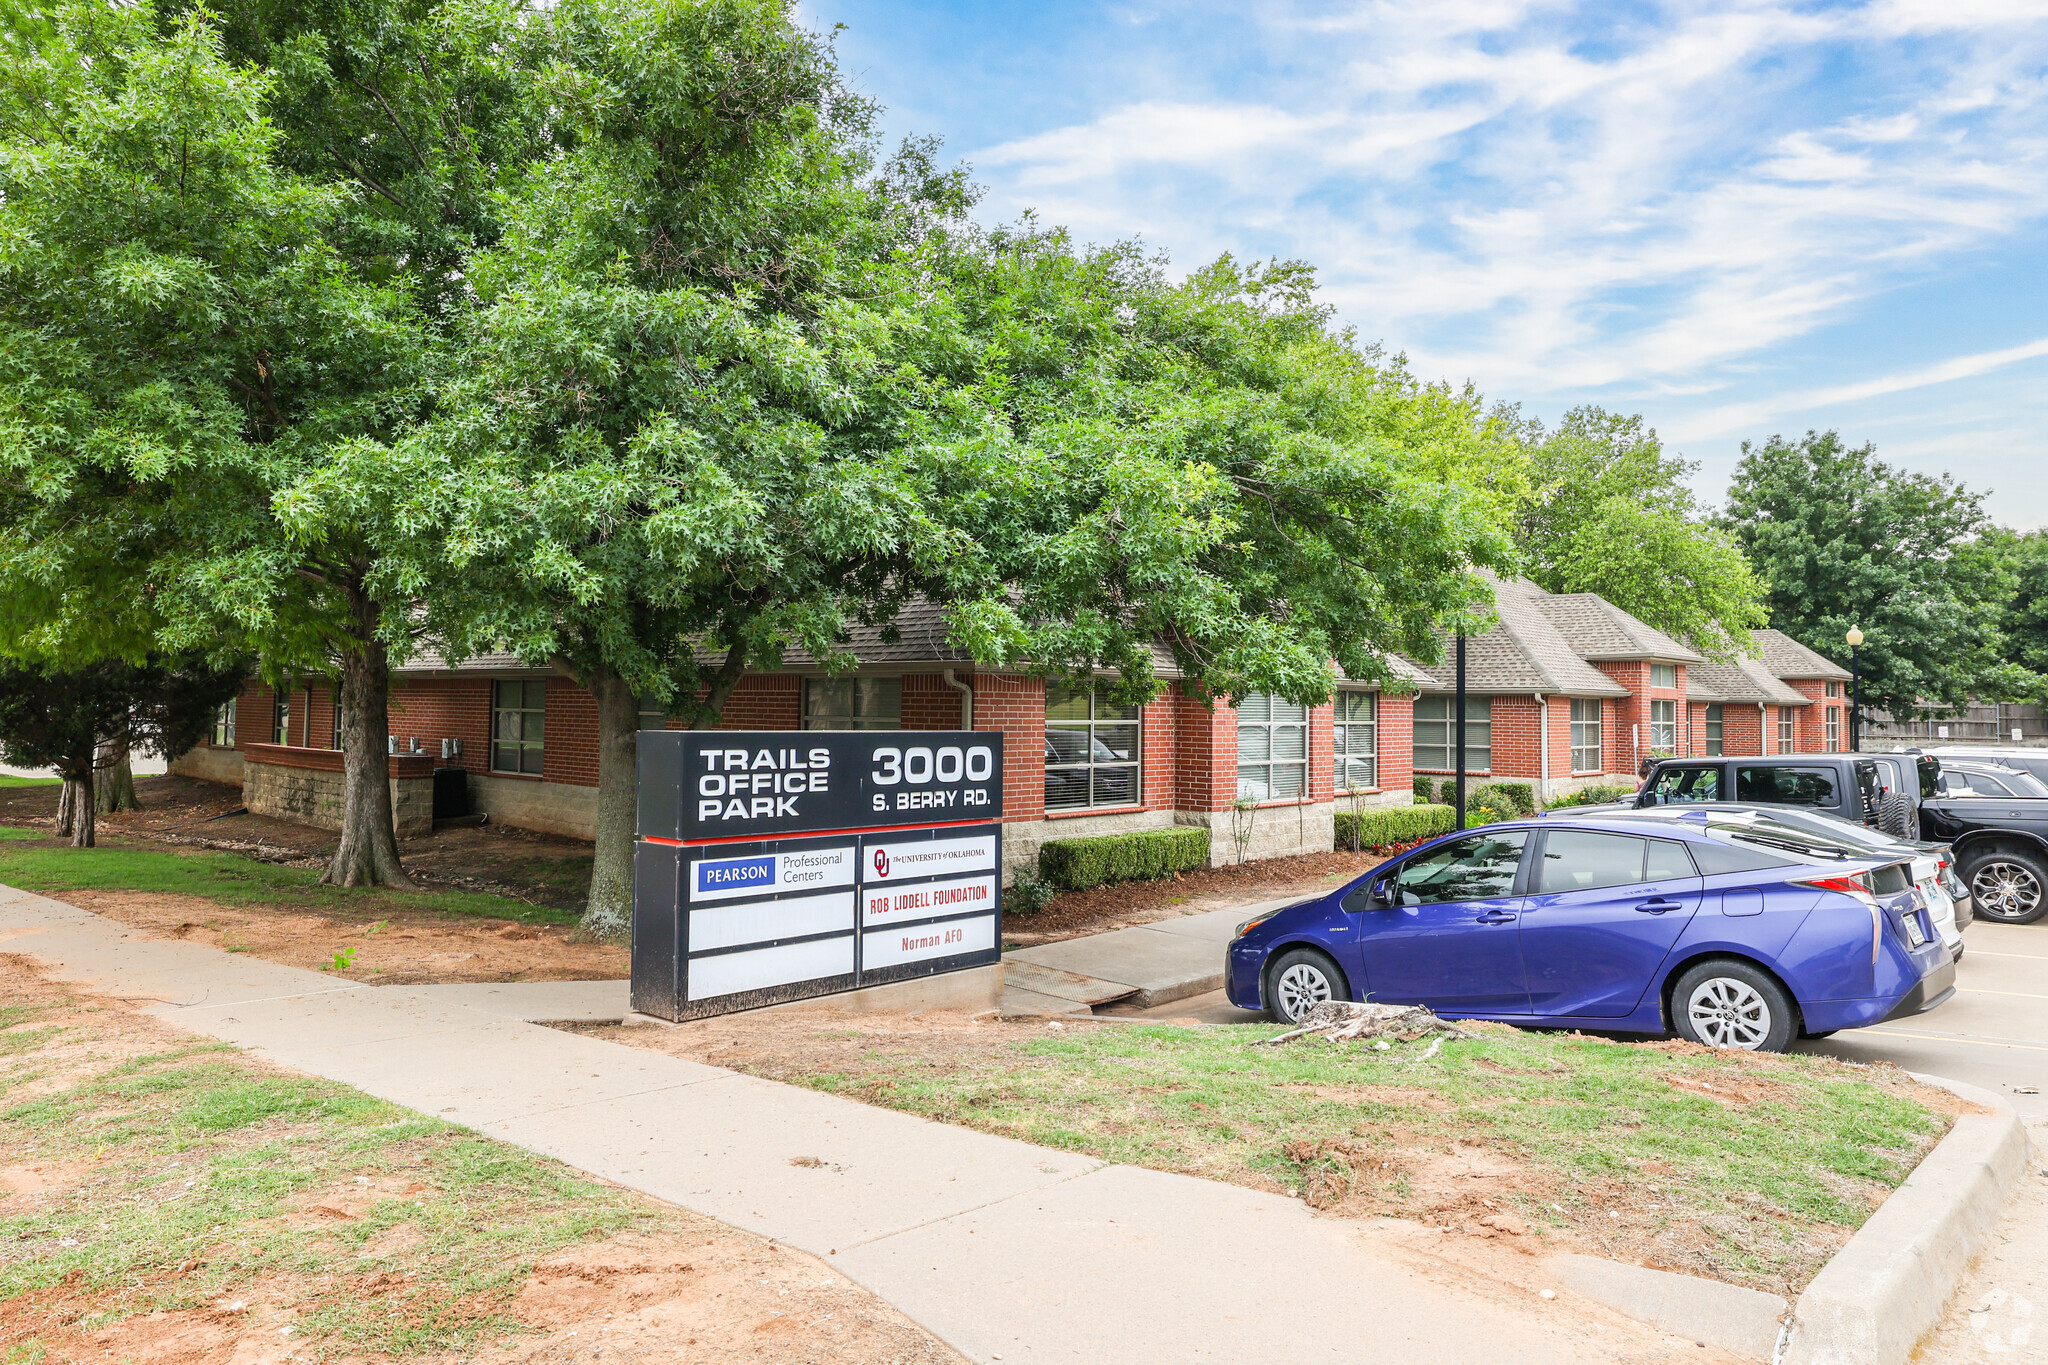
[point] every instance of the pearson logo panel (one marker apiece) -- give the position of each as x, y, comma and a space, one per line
767, 874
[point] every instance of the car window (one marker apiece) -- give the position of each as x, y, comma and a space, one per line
1785, 786
1477, 867
1667, 859
1585, 860
1675, 786
1717, 858
1983, 783
2025, 784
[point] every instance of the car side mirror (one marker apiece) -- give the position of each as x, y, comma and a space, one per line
1377, 894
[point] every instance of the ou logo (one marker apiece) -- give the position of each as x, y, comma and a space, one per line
881, 862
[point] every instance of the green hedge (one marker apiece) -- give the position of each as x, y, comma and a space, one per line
1425, 790
1077, 864
1519, 797
1598, 795
1380, 826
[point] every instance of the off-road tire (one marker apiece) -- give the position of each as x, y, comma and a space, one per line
1728, 1003
2007, 887
1299, 979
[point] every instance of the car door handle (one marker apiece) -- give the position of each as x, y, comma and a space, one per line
1659, 907
1496, 917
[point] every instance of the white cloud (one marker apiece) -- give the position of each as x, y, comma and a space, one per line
1551, 203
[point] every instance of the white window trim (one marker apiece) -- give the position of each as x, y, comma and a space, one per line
1450, 745
1340, 761
1599, 726
1136, 766
524, 744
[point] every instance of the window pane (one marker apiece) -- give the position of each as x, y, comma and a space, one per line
1290, 741
1668, 860
1289, 710
1785, 786
1475, 868
1065, 788
1432, 708
1116, 786
1253, 745
1581, 860
1106, 710
532, 759
1287, 780
1257, 706
1115, 743
1066, 745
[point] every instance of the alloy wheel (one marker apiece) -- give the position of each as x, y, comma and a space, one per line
1301, 988
2005, 890
1727, 1012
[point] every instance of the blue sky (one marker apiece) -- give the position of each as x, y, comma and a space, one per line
1737, 219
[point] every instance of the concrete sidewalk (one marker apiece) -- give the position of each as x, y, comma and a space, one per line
1143, 967
1000, 1248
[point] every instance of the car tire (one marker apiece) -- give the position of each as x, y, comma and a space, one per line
1726, 1003
1894, 815
2007, 887
1299, 980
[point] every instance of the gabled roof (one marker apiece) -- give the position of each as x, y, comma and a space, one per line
1744, 681
1597, 629
1525, 653
1787, 658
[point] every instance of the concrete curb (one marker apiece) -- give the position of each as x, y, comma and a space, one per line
1887, 1288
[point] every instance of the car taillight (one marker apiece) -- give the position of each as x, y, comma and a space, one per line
1856, 884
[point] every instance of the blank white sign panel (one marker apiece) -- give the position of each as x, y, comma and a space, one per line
726, 926
730, 973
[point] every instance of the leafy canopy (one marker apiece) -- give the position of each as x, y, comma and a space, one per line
1612, 515
1846, 540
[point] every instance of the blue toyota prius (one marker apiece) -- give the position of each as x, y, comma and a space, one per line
1729, 928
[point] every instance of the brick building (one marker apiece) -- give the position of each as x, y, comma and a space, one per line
1566, 691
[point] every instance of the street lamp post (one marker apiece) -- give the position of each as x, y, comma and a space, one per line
1855, 638
1459, 779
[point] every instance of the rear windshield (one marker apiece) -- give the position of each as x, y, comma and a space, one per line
1890, 881
1717, 858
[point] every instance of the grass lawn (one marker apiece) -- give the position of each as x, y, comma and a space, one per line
1750, 1169
7, 781
166, 1201
230, 879
211, 1174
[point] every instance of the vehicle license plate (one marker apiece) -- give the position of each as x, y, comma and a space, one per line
1915, 935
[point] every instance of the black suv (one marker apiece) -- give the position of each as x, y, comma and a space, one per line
2000, 843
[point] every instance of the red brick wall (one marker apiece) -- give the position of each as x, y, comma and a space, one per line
1205, 754
1322, 753
768, 702
1016, 706
928, 704
1741, 730
1397, 742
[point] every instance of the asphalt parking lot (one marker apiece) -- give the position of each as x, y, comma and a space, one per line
1992, 1032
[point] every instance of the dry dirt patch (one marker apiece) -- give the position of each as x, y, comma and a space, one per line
184, 1204
382, 949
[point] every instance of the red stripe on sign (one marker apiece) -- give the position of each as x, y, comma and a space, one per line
813, 834
651, 839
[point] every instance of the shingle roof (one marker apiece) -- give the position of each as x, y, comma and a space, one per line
1746, 680
1597, 629
1525, 653
1787, 658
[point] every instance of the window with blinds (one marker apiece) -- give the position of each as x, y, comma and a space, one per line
1092, 750
1436, 734
1272, 748
853, 703
519, 725
1586, 735
1355, 731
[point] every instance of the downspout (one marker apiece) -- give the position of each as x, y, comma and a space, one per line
966, 691
1763, 730
1543, 746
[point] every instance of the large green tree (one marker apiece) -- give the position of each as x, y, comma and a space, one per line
736, 383
1845, 540
233, 255
1611, 513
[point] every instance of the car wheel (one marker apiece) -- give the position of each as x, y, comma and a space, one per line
1300, 980
1729, 1004
2011, 888
1893, 815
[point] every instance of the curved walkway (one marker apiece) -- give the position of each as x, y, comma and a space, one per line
1004, 1250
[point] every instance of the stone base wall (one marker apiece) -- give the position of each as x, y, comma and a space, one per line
549, 807
313, 796
208, 764
1276, 832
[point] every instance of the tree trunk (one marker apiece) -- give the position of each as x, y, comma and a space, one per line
609, 916
75, 814
368, 853
114, 786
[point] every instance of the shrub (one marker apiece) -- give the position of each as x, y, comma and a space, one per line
1380, 826
1519, 797
1029, 893
1425, 790
1598, 795
1077, 864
